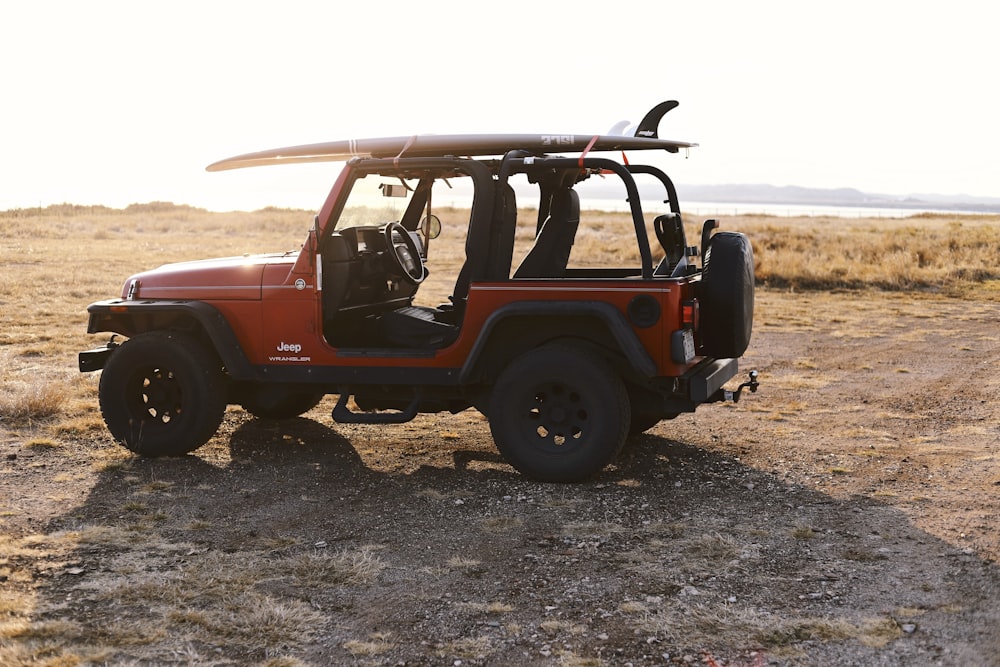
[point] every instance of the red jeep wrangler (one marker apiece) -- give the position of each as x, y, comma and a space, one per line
566, 359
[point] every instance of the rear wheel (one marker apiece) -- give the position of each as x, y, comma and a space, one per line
162, 394
559, 413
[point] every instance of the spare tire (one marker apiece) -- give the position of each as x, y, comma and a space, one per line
726, 295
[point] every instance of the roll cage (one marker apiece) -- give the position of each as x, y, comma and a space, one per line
490, 234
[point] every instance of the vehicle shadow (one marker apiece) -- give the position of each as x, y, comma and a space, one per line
675, 548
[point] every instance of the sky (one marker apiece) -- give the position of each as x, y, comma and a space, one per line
113, 103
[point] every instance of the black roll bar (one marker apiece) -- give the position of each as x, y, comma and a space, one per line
623, 172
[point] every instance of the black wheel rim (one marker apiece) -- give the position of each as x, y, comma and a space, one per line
155, 396
555, 417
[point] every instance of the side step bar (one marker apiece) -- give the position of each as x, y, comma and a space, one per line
341, 413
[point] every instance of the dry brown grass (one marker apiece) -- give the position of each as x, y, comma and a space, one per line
61, 258
210, 598
946, 252
24, 397
939, 252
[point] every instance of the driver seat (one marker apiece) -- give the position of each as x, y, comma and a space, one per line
488, 250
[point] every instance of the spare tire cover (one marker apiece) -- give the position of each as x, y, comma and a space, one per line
726, 295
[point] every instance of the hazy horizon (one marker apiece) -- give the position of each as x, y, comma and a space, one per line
732, 199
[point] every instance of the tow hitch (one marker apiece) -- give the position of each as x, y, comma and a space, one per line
751, 384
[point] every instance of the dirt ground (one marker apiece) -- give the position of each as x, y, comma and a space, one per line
846, 514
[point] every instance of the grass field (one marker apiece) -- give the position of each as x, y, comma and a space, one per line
110, 559
58, 259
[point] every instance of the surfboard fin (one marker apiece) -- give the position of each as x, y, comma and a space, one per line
647, 128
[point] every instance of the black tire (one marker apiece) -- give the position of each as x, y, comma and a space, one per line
559, 413
265, 402
162, 394
727, 296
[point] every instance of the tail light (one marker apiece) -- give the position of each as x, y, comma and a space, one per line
682, 344
690, 314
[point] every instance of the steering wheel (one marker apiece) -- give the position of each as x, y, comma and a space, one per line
403, 253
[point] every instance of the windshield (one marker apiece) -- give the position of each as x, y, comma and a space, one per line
377, 199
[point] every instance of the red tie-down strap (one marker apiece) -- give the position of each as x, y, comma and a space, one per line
587, 149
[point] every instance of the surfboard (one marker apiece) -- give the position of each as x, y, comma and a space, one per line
440, 145
462, 145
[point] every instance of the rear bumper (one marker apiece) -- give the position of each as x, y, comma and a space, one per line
707, 380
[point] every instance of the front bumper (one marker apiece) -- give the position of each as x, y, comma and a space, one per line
95, 359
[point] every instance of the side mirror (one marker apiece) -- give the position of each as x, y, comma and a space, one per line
430, 227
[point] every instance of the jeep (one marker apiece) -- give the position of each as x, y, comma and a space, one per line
566, 357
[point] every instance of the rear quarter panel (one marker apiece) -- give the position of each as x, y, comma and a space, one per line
487, 298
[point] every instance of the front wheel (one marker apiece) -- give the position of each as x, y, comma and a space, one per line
559, 413
162, 394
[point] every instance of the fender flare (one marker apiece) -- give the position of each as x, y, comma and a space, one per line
619, 328
124, 317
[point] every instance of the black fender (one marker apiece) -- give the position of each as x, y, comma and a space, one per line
546, 320
130, 318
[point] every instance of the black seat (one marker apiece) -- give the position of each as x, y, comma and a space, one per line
670, 232
337, 280
488, 249
550, 254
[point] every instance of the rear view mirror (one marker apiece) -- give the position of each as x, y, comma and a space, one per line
393, 190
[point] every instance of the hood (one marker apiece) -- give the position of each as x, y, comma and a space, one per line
226, 278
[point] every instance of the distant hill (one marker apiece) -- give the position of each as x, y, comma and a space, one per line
792, 194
